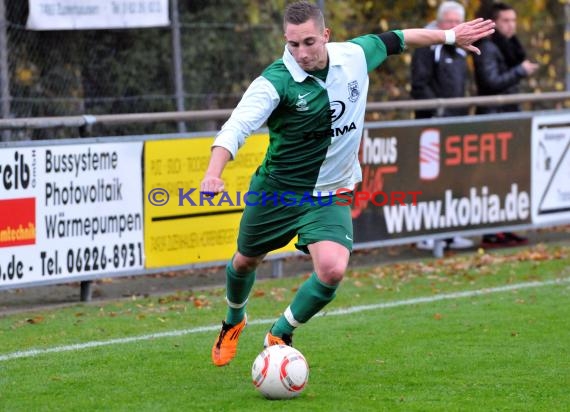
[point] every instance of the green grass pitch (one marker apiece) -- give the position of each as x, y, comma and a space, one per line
474, 332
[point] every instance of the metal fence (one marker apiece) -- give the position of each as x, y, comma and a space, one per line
480, 176
84, 125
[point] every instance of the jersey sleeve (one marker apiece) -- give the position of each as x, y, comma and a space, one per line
254, 108
379, 46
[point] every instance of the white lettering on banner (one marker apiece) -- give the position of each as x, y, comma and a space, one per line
96, 14
379, 150
79, 213
480, 207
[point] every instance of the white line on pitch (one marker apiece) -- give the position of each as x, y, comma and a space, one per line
354, 309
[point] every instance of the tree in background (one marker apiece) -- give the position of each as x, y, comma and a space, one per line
223, 45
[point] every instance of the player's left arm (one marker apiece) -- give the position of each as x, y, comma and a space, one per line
462, 35
377, 47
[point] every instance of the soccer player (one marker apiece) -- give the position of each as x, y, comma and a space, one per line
313, 101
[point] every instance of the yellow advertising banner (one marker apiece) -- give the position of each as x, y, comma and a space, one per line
181, 225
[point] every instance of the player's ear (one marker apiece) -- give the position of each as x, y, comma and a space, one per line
326, 34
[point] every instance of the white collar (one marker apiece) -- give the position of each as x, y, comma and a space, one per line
298, 74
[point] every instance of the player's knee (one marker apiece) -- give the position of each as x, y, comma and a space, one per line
332, 273
246, 264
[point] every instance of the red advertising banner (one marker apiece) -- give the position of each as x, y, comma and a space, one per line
17, 222
443, 178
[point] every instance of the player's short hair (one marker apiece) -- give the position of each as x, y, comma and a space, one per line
450, 6
301, 12
499, 7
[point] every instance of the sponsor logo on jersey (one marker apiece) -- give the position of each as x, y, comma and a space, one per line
334, 132
337, 110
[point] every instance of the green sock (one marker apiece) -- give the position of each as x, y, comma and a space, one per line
312, 296
238, 286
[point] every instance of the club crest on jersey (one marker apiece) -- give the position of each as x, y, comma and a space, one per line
353, 92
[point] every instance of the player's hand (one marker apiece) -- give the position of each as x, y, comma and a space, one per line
211, 186
469, 32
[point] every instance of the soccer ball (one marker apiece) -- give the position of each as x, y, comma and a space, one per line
280, 372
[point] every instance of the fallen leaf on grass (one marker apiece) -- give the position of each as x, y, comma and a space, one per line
201, 302
169, 299
35, 320
278, 294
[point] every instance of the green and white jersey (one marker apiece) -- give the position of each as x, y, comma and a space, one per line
315, 126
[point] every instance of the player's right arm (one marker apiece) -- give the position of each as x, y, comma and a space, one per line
253, 110
212, 182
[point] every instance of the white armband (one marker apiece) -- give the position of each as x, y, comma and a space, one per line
449, 36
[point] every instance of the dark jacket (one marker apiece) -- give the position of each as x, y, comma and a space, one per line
494, 74
437, 72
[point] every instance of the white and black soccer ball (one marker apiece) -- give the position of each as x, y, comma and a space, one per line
280, 372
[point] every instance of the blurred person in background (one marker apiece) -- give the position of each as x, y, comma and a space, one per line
503, 63
440, 71
499, 69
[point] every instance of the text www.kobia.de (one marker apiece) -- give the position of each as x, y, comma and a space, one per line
480, 207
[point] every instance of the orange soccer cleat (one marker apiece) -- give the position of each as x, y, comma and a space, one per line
271, 340
225, 346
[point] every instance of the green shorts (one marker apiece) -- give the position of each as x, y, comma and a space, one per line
273, 217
